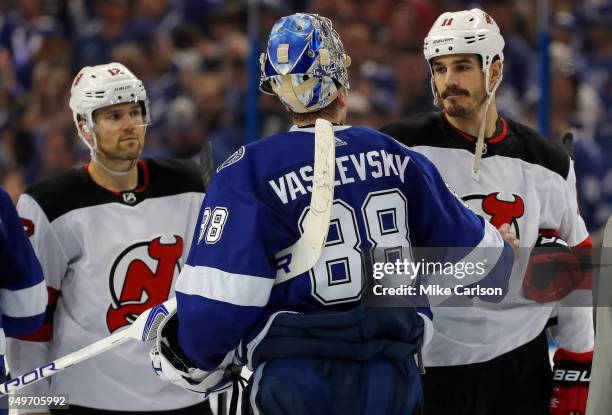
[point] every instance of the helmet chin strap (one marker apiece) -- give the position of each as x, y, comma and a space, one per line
110, 171
92, 153
481, 131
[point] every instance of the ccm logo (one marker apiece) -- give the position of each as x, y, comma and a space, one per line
29, 377
572, 375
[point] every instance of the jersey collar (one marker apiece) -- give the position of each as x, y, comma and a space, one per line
143, 178
311, 129
503, 131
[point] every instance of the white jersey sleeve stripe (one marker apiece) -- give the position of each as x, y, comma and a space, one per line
227, 287
26, 302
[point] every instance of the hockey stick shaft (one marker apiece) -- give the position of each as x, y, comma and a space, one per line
207, 167
144, 329
306, 251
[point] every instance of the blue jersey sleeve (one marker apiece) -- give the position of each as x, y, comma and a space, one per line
230, 270
445, 221
23, 295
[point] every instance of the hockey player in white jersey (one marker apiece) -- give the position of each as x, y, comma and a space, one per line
313, 349
112, 236
493, 358
23, 294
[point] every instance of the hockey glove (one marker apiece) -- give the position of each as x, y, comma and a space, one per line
571, 376
170, 364
553, 272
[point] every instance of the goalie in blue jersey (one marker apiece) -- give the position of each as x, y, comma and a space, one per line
314, 348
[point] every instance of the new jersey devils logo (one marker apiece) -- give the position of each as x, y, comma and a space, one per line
141, 277
499, 208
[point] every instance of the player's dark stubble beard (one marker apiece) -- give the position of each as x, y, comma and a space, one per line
454, 109
127, 147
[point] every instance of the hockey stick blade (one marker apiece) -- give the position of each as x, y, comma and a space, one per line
599, 400
144, 329
305, 252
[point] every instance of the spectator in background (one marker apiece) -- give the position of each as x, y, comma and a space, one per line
185, 135
23, 33
47, 103
413, 87
19, 154
403, 31
208, 92
58, 153
8, 87
155, 16
108, 29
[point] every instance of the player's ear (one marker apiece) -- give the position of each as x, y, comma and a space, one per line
495, 72
85, 131
342, 97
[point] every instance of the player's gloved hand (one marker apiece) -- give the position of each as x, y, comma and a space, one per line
170, 364
553, 272
571, 375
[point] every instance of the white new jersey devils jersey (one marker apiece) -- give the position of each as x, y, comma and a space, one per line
525, 181
107, 257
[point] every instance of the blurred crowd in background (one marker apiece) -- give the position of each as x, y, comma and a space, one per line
192, 56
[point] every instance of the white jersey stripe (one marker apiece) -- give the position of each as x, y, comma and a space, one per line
237, 289
26, 302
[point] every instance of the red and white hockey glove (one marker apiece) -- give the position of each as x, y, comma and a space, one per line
553, 272
571, 376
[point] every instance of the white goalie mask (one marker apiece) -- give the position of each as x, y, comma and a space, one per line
100, 86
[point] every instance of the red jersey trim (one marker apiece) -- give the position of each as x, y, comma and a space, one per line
587, 243
503, 134
45, 332
145, 178
145, 174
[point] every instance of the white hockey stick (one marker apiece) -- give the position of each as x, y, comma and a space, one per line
305, 252
144, 329
599, 400
297, 259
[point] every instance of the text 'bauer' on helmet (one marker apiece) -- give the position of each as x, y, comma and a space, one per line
304, 63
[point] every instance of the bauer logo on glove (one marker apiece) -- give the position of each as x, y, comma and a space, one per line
571, 376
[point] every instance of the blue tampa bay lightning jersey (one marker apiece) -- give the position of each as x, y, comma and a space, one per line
385, 196
23, 294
